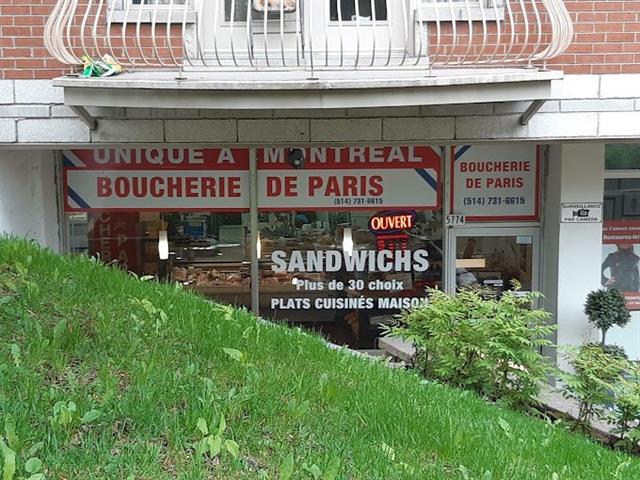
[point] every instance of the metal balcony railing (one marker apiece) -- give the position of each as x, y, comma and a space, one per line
309, 34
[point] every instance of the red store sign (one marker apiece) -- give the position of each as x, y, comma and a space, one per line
180, 179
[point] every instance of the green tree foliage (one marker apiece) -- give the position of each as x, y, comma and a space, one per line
487, 345
590, 385
606, 309
606, 386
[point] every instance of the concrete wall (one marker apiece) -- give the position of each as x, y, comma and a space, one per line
573, 252
582, 107
627, 337
28, 196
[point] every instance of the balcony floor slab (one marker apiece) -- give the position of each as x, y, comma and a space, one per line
293, 89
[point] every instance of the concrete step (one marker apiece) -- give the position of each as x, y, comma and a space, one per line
397, 348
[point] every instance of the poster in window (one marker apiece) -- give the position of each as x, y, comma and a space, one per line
621, 259
631, 203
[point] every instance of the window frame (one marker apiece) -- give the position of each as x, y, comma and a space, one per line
120, 14
273, 16
347, 22
461, 12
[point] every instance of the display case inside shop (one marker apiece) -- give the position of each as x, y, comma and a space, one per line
206, 253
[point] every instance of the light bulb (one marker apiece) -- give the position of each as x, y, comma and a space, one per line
347, 241
163, 245
259, 248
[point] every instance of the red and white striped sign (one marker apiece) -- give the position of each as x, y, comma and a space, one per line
204, 179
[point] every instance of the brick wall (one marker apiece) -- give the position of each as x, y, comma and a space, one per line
23, 54
607, 38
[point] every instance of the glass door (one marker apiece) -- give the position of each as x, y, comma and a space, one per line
494, 258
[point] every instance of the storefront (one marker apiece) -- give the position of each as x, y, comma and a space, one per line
335, 238
621, 237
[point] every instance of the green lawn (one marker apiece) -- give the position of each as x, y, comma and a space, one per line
147, 361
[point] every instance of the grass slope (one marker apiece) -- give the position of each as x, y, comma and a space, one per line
149, 358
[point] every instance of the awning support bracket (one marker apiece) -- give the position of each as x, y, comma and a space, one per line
84, 115
529, 113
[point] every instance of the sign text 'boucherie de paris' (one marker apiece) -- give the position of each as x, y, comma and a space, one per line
166, 178
492, 183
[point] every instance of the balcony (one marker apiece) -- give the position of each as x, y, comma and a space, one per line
309, 53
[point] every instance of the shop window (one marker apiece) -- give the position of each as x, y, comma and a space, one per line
622, 157
621, 238
387, 269
329, 270
208, 252
495, 262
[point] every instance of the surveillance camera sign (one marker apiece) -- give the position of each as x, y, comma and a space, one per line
581, 212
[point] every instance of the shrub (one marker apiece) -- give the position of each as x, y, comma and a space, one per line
607, 387
593, 380
626, 413
487, 345
614, 351
606, 309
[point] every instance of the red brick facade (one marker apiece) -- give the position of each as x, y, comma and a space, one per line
607, 39
22, 52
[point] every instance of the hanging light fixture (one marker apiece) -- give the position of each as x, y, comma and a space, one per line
259, 248
347, 241
163, 245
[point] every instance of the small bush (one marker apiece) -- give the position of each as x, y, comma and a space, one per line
606, 386
614, 351
606, 309
626, 414
487, 345
592, 383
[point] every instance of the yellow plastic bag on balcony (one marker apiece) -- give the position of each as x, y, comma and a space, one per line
106, 67
114, 67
